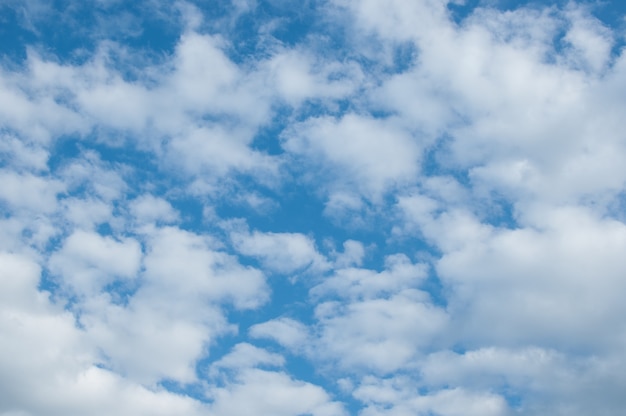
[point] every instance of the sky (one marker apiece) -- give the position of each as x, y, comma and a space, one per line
316, 208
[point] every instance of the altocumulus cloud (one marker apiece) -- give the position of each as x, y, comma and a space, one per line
334, 207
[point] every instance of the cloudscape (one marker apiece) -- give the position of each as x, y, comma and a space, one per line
316, 208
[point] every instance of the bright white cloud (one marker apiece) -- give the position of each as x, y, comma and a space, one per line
86, 213
29, 192
286, 331
274, 393
148, 209
472, 166
47, 364
87, 261
529, 277
363, 283
280, 252
300, 75
380, 335
452, 402
362, 152
353, 254
245, 355
164, 327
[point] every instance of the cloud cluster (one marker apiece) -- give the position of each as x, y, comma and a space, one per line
170, 213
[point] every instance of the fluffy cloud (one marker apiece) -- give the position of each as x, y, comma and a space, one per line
286, 331
29, 192
272, 393
89, 261
535, 274
379, 335
379, 323
148, 209
164, 327
362, 152
470, 159
247, 388
47, 364
450, 402
280, 252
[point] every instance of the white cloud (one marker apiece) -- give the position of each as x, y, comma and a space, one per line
396, 19
358, 283
86, 213
98, 178
524, 125
152, 338
29, 192
23, 155
369, 154
38, 118
164, 327
352, 255
286, 331
299, 76
242, 387
527, 279
46, 364
87, 261
118, 104
216, 150
245, 355
148, 209
547, 381
380, 335
19, 276
451, 402
380, 324
343, 207
284, 253
518, 113
591, 42
202, 71
449, 229
383, 321
168, 102
265, 392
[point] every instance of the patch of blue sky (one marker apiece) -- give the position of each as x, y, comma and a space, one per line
294, 21
404, 57
12, 28
48, 283
438, 160
437, 291
267, 137
122, 290
459, 10
194, 390
301, 210
64, 148
319, 108
53, 31
69, 31
611, 12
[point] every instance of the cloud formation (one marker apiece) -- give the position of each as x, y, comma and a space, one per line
345, 207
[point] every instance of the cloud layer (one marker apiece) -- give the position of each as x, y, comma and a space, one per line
345, 207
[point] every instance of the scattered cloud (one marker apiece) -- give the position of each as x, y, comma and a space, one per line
348, 207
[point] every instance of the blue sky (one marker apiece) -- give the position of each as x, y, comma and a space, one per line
326, 208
